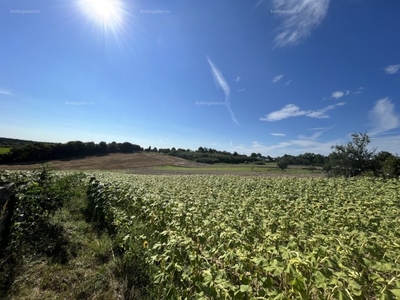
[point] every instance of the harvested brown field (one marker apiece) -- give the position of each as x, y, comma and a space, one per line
113, 161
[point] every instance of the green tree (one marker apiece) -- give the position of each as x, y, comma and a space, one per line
283, 164
391, 167
352, 159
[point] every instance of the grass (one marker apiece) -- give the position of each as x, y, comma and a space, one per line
4, 150
82, 265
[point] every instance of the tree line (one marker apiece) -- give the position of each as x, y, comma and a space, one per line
352, 159
37, 151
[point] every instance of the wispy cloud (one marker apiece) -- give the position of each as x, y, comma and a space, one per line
321, 113
288, 82
277, 78
316, 134
359, 90
161, 141
296, 146
383, 116
241, 90
292, 110
238, 79
4, 92
221, 82
278, 134
392, 69
259, 2
299, 18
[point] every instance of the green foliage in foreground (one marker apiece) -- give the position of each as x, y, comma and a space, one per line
39, 194
228, 237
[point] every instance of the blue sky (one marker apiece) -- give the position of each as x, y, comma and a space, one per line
273, 76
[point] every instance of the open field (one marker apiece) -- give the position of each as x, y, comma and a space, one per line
153, 164
114, 161
4, 150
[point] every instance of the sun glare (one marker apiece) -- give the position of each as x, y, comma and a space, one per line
107, 13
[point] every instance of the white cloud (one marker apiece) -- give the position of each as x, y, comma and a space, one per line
277, 78
288, 82
337, 95
294, 147
278, 134
292, 110
383, 116
221, 82
392, 69
238, 79
299, 18
161, 141
289, 110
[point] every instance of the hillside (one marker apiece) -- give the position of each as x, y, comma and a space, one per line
9, 142
113, 161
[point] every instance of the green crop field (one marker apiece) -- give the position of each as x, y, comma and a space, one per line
231, 237
4, 150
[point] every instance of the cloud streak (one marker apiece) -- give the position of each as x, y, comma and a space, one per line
221, 82
316, 134
278, 134
277, 78
299, 18
392, 69
383, 117
6, 93
291, 110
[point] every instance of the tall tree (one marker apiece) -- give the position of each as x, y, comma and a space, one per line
351, 159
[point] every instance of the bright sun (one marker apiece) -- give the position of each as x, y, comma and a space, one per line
107, 13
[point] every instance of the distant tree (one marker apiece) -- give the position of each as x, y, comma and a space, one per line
391, 167
90, 148
126, 147
380, 159
351, 159
103, 147
283, 163
113, 147
253, 155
